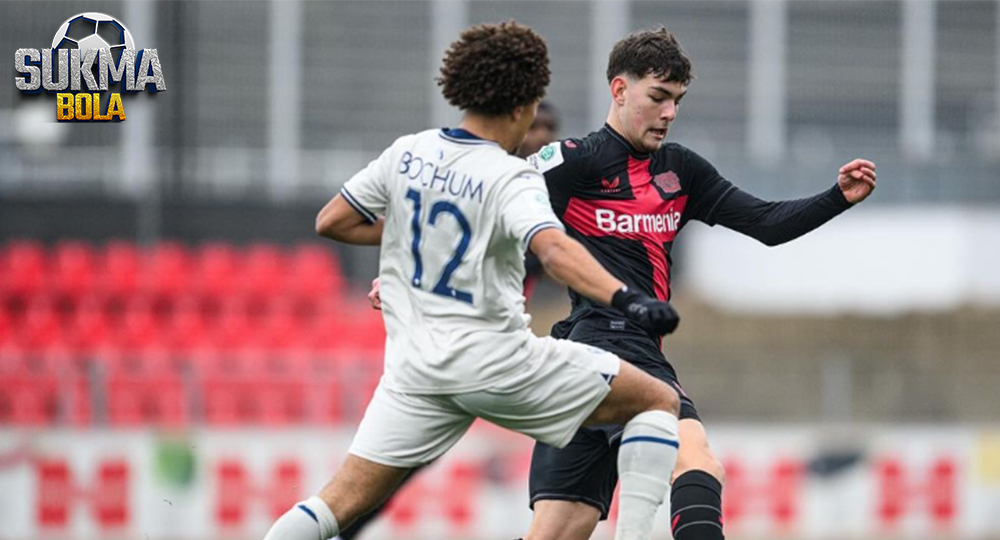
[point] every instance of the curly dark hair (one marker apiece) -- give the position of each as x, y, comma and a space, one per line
653, 51
494, 68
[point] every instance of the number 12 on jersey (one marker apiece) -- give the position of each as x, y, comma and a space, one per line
440, 207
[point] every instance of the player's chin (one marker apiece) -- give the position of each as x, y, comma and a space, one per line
654, 139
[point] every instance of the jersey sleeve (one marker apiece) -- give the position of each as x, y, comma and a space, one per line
563, 163
717, 201
777, 222
524, 208
368, 190
707, 188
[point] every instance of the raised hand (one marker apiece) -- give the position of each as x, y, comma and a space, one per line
857, 180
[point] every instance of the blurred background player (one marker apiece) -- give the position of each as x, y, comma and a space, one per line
625, 193
461, 349
544, 130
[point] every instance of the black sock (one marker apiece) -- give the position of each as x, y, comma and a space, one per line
696, 507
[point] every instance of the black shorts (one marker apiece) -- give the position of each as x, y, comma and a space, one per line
586, 470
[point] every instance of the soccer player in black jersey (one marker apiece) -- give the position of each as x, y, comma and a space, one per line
625, 193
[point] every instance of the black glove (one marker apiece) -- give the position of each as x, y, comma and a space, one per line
652, 315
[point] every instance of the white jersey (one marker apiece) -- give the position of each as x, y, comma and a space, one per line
459, 215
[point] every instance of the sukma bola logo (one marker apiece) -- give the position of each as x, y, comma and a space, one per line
83, 43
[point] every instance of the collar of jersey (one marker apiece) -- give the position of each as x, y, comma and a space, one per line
628, 146
461, 136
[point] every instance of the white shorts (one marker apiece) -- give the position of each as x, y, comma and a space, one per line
548, 404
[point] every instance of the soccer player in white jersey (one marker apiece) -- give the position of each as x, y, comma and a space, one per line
453, 212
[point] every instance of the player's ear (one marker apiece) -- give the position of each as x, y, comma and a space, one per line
517, 113
618, 87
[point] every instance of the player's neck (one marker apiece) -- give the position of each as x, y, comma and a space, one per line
496, 129
614, 122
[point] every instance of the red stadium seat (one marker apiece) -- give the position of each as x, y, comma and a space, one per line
284, 400
78, 400
29, 400
146, 399
263, 272
328, 401
186, 329
140, 327
355, 326
253, 387
73, 269
368, 330
120, 266
166, 271
239, 399
314, 275
145, 388
6, 327
43, 388
89, 330
22, 269
325, 332
278, 329
41, 327
232, 329
217, 269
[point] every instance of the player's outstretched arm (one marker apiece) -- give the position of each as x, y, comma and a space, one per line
775, 223
567, 261
339, 221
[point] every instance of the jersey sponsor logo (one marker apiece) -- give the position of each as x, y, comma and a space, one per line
668, 182
549, 157
611, 186
612, 222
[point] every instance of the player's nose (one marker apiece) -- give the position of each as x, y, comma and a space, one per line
669, 111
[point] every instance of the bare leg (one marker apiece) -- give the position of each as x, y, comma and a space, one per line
563, 520
696, 498
632, 392
360, 524
695, 454
359, 487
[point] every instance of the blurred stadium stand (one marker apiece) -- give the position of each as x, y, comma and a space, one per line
161, 248
168, 335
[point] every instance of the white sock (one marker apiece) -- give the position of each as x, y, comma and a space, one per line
645, 462
310, 519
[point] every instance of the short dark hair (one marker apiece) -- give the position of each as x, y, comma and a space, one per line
494, 68
653, 51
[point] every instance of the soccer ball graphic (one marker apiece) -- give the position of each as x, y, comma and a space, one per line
94, 30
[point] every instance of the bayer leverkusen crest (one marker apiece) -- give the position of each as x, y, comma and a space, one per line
668, 182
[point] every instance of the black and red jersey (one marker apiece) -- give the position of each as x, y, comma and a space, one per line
627, 207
